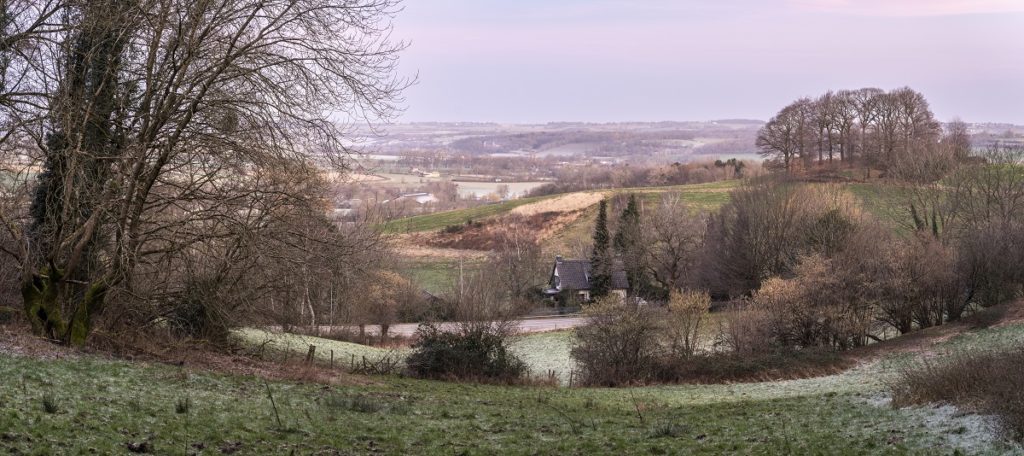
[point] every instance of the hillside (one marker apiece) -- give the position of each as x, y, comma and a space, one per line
112, 405
564, 223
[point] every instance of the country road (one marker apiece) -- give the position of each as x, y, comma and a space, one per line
531, 325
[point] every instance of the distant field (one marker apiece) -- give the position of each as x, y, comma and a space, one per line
435, 275
887, 203
710, 196
430, 222
884, 201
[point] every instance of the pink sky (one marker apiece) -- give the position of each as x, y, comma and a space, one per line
617, 60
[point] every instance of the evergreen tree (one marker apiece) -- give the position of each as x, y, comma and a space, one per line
600, 257
629, 246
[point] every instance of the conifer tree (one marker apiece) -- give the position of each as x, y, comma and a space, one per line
600, 257
629, 246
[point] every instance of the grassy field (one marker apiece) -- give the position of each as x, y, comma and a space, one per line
435, 275
432, 222
276, 344
710, 195
92, 405
887, 203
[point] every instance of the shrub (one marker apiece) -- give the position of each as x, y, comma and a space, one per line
453, 229
988, 382
743, 330
474, 351
989, 261
50, 404
767, 364
358, 403
687, 314
768, 225
182, 406
620, 345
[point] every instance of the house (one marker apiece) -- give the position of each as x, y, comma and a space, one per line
574, 276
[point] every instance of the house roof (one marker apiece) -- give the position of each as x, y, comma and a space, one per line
575, 275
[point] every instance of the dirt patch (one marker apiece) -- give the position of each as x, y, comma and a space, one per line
566, 203
351, 178
421, 245
16, 340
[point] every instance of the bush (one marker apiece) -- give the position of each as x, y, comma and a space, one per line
988, 382
687, 314
768, 225
199, 312
743, 330
761, 366
620, 345
989, 261
474, 351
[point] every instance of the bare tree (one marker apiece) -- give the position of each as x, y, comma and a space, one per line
164, 114
674, 234
958, 140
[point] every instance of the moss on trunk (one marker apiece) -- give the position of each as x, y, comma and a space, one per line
42, 299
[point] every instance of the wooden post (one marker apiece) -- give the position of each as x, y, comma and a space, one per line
332, 359
310, 353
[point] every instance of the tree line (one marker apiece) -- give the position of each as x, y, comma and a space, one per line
868, 127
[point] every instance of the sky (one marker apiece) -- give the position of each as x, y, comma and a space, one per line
535, 61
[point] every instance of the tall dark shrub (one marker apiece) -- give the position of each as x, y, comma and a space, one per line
600, 257
477, 351
629, 247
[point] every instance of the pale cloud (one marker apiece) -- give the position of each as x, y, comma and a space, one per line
911, 7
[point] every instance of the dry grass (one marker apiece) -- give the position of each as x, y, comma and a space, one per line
566, 203
987, 382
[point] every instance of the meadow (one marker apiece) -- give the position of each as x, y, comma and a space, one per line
108, 405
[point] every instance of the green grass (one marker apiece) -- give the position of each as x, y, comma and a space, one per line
436, 275
545, 352
274, 345
703, 201
437, 221
94, 405
885, 202
710, 195
105, 405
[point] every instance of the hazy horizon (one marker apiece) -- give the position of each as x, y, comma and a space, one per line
601, 61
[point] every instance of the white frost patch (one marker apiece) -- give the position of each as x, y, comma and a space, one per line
879, 400
954, 428
972, 433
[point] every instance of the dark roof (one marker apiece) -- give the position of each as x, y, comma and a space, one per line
575, 275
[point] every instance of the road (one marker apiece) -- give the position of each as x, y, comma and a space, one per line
531, 325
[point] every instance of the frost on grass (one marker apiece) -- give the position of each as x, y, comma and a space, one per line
546, 352
280, 344
952, 428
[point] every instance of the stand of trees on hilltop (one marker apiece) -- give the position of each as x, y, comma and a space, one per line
867, 127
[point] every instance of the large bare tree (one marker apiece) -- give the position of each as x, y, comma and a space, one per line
162, 125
